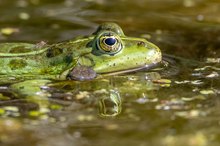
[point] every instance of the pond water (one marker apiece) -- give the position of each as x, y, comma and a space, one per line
181, 107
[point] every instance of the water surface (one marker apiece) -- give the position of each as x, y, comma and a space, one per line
182, 112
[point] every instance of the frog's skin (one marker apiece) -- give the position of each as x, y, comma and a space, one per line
107, 51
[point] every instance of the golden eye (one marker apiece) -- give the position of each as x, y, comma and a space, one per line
109, 43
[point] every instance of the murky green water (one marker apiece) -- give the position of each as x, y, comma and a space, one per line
137, 111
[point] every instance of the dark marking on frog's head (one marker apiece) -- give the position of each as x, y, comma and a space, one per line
68, 59
141, 43
19, 49
17, 64
89, 44
54, 51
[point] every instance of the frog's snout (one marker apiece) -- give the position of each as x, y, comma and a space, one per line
151, 52
154, 54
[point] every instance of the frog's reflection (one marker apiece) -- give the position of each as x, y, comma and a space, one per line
109, 101
110, 105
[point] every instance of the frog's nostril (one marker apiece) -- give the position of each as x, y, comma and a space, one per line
141, 43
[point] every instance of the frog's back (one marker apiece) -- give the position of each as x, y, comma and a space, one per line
24, 59
19, 49
19, 58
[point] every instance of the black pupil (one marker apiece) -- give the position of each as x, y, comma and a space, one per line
110, 41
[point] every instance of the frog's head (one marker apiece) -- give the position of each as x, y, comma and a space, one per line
113, 52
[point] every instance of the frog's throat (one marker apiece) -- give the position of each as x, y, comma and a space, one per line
63, 75
145, 67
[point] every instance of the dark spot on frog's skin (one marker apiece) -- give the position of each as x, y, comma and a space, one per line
95, 51
52, 52
68, 58
81, 73
17, 64
111, 54
89, 44
19, 49
140, 43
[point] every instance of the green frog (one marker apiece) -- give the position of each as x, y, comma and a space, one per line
106, 52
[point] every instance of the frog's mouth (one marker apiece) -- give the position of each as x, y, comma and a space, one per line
145, 67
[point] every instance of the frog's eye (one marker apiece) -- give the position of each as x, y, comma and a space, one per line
109, 43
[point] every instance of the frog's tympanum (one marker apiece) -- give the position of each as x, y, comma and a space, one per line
107, 51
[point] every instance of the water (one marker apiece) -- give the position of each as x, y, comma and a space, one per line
181, 108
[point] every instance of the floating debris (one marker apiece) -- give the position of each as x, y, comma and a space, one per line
9, 30
2, 111
190, 114
111, 126
44, 110
212, 75
182, 82
206, 92
199, 97
200, 17
9, 111
24, 16
34, 113
101, 91
162, 81
2, 97
142, 100
173, 104
207, 67
55, 107
85, 118
197, 82
194, 82
213, 60
11, 108
82, 95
